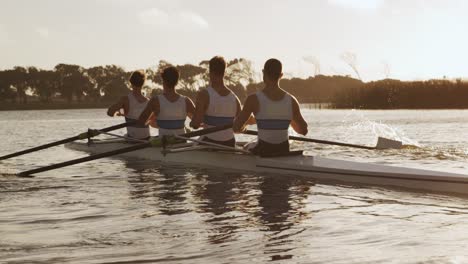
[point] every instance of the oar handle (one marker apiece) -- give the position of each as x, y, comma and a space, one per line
251, 132
96, 132
122, 125
206, 131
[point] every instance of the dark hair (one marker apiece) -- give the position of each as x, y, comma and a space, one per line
170, 76
218, 65
138, 78
273, 69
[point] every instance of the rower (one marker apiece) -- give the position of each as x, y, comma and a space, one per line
132, 105
169, 108
217, 105
274, 110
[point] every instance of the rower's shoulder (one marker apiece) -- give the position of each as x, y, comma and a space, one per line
252, 98
290, 95
124, 99
154, 99
203, 92
233, 94
187, 99
202, 97
140, 98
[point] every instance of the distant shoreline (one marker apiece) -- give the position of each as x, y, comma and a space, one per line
100, 105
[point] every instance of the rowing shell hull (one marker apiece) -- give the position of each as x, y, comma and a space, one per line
323, 169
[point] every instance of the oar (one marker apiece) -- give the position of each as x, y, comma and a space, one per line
90, 133
382, 143
118, 151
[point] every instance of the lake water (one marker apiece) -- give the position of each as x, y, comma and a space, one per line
130, 211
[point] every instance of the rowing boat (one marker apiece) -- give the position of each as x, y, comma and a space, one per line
315, 167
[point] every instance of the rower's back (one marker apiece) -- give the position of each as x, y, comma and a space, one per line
171, 107
273, 117
217, 105
221, 110
133, 105
172, 115
274, 110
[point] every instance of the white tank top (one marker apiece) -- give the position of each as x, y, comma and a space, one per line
172, 115
273, 118
134, 110
221, 111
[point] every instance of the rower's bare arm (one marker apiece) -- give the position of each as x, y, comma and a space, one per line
245, 114
115, 108
152, 121
238, 106
298, 122
252, 120
151, 110
201, 105
190, 107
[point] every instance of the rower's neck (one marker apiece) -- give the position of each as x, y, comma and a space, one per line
137, 92
218, 85
171, 94
272, 87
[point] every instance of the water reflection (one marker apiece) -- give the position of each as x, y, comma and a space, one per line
228, 203
172, 190
280, 204
215, 194
163, 187
274, 203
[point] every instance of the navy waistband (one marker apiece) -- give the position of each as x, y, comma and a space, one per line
273, 124
171, 124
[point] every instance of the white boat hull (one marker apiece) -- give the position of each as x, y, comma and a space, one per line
323, 169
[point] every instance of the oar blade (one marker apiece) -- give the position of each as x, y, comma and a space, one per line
385, 143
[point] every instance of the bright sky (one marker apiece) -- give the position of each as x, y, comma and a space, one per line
405, 39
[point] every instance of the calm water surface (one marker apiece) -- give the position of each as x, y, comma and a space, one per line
129, 211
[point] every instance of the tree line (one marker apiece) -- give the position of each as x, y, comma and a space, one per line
74, 83
396, 94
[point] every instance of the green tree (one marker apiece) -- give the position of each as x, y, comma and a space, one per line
44, 83
110, 81
6, 91
70, 81
18, 78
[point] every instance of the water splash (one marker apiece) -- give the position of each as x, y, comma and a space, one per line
358, 122
355, 122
